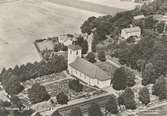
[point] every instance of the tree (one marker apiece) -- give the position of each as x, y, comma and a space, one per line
56, 113
121, 99
17, 102
130, 77
140, 65
37, 93
82, 43
160, 88
111, 105
144, 95
57, 47
76, 112
91, 57
88, 25
94, 110
56, 64
160, 27
127, 99
62, 98
75, 85
102, 56
123, 78
147, 74
13, 86
119, 81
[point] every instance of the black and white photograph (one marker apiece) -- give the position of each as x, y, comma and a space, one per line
83, 57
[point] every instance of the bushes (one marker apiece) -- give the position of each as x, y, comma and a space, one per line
62, 98
75, 85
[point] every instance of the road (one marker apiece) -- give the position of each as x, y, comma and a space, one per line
82, 103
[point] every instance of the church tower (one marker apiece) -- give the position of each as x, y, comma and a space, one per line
74, 51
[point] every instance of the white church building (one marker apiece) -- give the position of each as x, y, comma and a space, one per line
86, 71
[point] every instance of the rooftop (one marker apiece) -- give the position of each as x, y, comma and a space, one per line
90, 69
107, 67
131, 29
74, 47
138, 17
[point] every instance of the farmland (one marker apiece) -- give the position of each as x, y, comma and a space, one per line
92, 5
24, 21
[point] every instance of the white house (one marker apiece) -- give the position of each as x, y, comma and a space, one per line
86, 71
139, 17
132, 31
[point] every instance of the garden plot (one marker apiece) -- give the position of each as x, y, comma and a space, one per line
45, 79
62, 86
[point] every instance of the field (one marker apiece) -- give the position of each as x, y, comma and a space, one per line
24, 21
115, 3
95, 6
